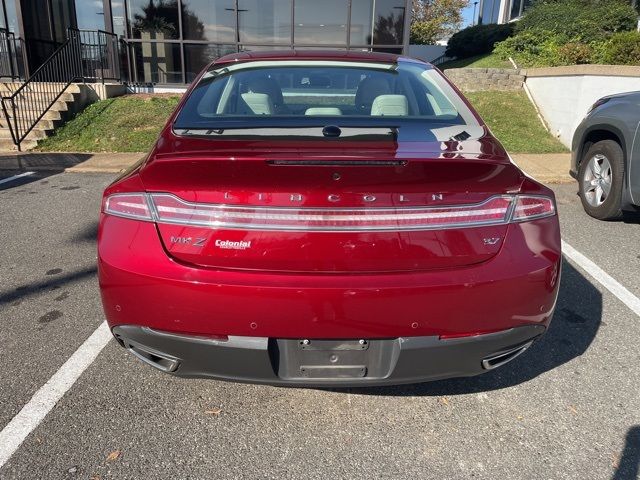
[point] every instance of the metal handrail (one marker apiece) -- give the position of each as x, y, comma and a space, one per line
85, 56
9, 67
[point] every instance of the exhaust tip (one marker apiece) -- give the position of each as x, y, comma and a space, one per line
162, 361
499, 359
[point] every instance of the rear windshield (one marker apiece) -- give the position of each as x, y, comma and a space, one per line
287, 93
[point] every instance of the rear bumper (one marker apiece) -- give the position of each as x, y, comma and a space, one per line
285, 362
141, 285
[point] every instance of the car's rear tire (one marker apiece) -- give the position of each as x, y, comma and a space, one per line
600, 180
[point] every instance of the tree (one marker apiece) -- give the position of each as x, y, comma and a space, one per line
432, 20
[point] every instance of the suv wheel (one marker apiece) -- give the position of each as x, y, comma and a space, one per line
600, 180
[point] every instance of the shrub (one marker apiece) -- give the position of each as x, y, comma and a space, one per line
569, 32
532, 49
575, 53
621, 49
477, 40
584, 21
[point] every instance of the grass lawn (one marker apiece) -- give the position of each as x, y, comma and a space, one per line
132, 123
124, 124
488, 60
513, 120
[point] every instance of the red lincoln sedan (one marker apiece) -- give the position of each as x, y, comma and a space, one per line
327, 219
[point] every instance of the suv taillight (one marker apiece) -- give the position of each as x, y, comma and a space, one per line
166, 208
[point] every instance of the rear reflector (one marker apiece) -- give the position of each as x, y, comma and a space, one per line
166, 208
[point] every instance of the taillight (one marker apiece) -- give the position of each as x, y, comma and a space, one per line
530, 207
170, 209
129, 205
166, 208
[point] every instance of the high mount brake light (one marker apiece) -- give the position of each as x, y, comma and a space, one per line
166, 208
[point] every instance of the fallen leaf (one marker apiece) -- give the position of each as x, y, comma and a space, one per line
214, 411
573, 410
444, 400
114, 455
615, 460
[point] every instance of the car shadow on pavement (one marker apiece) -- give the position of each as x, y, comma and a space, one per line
88, 233
577, 318
42, 164
629, 465
56, 281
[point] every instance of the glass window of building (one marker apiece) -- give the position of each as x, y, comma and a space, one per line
214, 21
11, 20
90, 15
518, 7
265, 21
62, 18
388, 24
169, 41
119, 18
377, 22
321, 22
361, 22
197, 56
489, 11
157, 62
154, 19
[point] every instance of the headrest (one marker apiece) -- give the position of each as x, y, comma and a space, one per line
259, 103
390, 105
368, 90
323, 111
268, 86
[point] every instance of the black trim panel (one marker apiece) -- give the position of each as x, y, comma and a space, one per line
275, 362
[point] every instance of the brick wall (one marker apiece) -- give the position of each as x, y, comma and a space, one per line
477, 79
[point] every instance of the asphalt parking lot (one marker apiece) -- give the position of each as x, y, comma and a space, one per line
568, 408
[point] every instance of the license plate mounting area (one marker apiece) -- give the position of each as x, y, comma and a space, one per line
335, 359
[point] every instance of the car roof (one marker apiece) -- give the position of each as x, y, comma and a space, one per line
334, 55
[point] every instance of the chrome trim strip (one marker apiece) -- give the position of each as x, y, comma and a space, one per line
379, 210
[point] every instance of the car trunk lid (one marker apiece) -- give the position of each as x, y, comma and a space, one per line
330, 211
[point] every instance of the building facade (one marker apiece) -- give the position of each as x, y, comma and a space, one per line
167, 42
501, 11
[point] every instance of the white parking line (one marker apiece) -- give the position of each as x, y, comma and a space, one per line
51, 392
602, 277
15, 177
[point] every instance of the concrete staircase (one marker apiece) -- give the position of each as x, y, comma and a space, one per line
69, 102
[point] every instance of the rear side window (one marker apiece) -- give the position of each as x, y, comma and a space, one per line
262, 93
